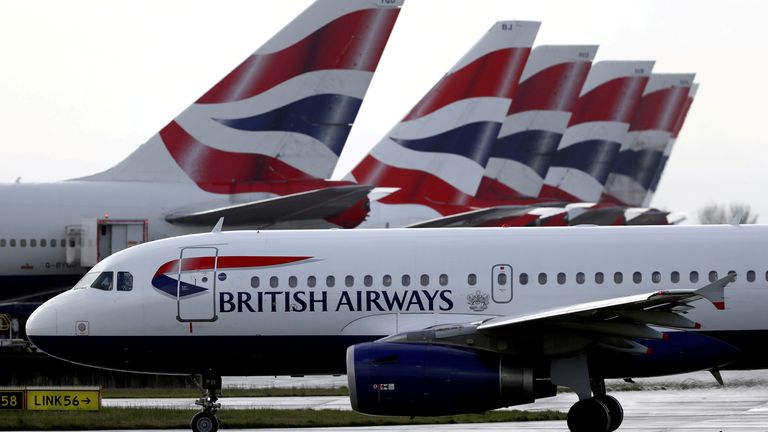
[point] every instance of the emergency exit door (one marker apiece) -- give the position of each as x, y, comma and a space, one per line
501, 281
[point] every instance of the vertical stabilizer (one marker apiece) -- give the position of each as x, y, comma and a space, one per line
283, 114
652, 126
596, 130
537, 118
670, 144
438, 152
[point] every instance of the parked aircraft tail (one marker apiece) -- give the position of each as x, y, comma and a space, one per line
282, 114
537, 118
597, 127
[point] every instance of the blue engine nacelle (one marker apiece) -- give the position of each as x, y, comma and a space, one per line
413, 379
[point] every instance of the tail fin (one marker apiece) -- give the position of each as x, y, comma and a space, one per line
651, 129
549, 89
438, 152
597, 127
283, 114
670, 144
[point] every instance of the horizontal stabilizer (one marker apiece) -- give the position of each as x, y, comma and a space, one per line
473, 218
315, 204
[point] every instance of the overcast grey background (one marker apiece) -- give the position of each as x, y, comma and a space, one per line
83, 83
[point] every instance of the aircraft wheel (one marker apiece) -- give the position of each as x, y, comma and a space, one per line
589, 415
614, 410
205, 422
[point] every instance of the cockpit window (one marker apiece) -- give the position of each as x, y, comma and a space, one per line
124, 281
87, 280
103, 282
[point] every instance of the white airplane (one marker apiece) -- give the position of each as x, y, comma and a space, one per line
425, 321
256, 148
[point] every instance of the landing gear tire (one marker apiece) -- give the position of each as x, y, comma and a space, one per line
205, 422
614, 410
589, 415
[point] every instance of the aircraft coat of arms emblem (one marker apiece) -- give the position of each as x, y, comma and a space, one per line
478, 301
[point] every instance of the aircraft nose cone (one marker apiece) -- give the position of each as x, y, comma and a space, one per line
43, 322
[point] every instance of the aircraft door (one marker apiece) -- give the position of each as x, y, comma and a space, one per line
196, 286
501, 282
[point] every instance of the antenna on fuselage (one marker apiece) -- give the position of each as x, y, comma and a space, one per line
219, 225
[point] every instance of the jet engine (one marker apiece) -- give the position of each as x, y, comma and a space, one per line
416, 379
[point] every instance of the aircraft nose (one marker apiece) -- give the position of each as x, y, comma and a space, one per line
43, 322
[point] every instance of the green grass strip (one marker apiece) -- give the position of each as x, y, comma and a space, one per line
138, 418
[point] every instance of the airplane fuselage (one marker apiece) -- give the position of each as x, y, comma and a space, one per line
291, 302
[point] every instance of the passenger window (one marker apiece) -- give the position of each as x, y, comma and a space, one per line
424, 280
53, 242
33, 243
637, 277
349, 281
443, 279
618, 277
71, 243
561, 278
330, 281
766, 273
674, 277
124, 281
103, 282
406, 280
751, 276
255, 282
655, 277
712, 276
523, 278
599, 278
694, 277
311, 281
293, 281
580, 278
274, 281
732, 273
43, 243
2, 242
23, 243
472, 279
13, 244
386, 280
368, 280
542, 278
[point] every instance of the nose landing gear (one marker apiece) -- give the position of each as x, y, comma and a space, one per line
206, 420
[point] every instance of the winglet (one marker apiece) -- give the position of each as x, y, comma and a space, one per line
715, 292
219, 225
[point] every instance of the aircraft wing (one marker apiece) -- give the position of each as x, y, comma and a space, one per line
613, 323
315, 204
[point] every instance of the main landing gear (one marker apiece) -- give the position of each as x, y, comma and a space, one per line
206, 420
602, 413
595, 411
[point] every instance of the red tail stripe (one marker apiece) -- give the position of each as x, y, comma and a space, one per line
614, 100
337, 45
660, 110
555, 88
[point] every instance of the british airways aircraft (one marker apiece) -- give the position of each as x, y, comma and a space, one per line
425, 321
257, 148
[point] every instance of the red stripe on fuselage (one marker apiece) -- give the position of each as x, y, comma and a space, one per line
225, 262
340, 44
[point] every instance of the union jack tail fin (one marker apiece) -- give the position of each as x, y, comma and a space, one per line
651, 130
438, 152
282, 114
671, 144
596, 129
537, 118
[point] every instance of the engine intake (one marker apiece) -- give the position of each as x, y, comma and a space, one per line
414, 379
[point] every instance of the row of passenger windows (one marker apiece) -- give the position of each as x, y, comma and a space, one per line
637, 277
502, 279
35, 242
349, 281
